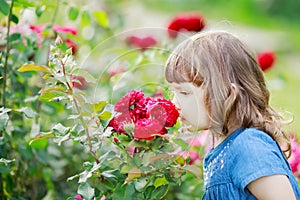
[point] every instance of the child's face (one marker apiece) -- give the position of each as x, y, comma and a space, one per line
190, 101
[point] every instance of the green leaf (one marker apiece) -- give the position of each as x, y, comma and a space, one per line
193, 169
106, 115
39, 137
160, 181
140, 184
86, 191
60, 129
14, 19
85, 18
73, 13
3, 120
88, 166
159, 192
180, 160
62, 139
101, 18
14, 36
183, 144
4, 7
54, 93
125, 192
6, 162
29, 113
108, 174
33, 67
77, 129
39, 10
148, 191
4, 170
39, 144
98, 106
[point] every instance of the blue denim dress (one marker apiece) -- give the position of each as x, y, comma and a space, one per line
244, 156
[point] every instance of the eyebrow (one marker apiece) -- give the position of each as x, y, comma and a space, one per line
177, 87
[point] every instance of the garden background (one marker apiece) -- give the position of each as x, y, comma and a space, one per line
56, 102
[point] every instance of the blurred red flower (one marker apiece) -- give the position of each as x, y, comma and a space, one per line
71, 44
186, 21
115, 70
141, 42
266, 60
202, 140
59, 29
193, 156
37, 28
78, 197
65, 29
294, 160
149, 115
78, 82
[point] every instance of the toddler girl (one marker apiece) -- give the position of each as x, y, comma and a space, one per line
219, 86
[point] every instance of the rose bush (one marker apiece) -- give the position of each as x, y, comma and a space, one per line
134, 143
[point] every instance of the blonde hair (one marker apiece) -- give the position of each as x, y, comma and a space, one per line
217, 61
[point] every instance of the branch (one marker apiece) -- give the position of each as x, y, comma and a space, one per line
6, 54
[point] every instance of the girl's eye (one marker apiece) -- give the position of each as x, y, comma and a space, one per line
184, 93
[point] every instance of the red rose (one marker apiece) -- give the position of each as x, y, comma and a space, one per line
128, 101
186, 21
266, 60
78, 82
146, 129
162, 110
119, 121
149, 115
141, 42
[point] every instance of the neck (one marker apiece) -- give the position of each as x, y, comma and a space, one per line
232, 126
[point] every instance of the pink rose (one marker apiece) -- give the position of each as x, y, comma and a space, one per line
78, 197
294, 160
141, 42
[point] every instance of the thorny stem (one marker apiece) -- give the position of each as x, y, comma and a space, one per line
79, 113
6, 54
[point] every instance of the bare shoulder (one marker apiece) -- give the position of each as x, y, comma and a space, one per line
275, 187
